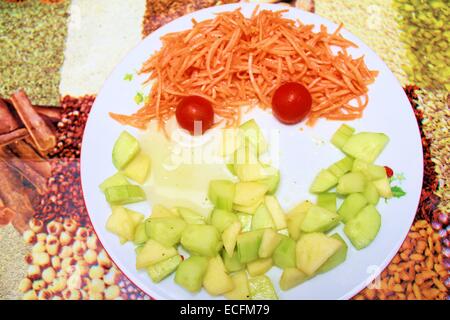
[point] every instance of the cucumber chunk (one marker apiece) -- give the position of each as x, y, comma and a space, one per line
249, 193
120, 195
284, 254
153, 252
221, 194
383, 187
159, 211
241, 290
353, 204
341, 167
366, 146
318, 219
221, 219
115, 180
313, 250
232, 262
138, 169
295, 219
202, 240
163, 269
292, 277
341, 136
248, 209
324, 180
269, 242
327, 201
248, 245
125, 149
261, 288
337, 258
140, 236
371, 171
252, 132
262, 219
166, 231
216, 281
190, 216
363, 228
259, 267
272, 181
371, 193
351, 183
190, 273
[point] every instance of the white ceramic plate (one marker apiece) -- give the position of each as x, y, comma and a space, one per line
303, 154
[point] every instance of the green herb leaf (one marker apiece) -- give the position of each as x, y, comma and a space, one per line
397, 192
128, 77
139, 98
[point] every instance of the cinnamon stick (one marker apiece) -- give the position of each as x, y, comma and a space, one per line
10, 137
51, 113
8, 122
11, 192
41, 133
26, 171
27, 153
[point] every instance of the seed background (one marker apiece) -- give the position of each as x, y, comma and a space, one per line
51, 51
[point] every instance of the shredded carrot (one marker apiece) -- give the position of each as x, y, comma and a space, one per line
234, 61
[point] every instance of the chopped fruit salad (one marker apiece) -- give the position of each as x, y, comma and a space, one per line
248, 232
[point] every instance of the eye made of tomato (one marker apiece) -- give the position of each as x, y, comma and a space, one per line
195, 113
291, 103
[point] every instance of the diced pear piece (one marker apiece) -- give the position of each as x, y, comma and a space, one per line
161, 270
166, 231
262, 219
125, 149
248, 209
159, 211
318, 219
202, 240
241, 290
190, 216
153, 252
259, 267
115, 180
292, 277
138, 169
313, 250
232, 263
295, 218
284, 254
269, 242
278, 215
216, 280
324, 180
125, 194
383, 187
120, 223
249, 193
221, 219
221, 193
261, 288
337, 258
229, 236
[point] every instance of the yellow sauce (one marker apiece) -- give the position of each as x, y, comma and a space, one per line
182, 167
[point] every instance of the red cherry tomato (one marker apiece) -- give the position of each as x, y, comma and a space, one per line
194, 109
291, 102
389, 171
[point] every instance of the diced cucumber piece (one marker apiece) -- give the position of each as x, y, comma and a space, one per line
135, 216
125, 149
259, 267
216, 281
341, 136
269, 242
341, 167
337, 258
221, 219
353, 204
383, 187
251, 171
120, 195
363, 228
248, 209
163, 269
313, 250
190, 216
159, 211
229, 236
277, 213
221, 193
140, 236
284, 254
366, 145
351, 182
241, 290
232, 262
252, 132
371, 171
272, 182
115, 180
295, 218
324, 180
248, 245
371, 193
318, 219
249, 193
138, 168
190, 273
202, 240
292, 277
153, 252
166, 231
261, 288
262, 219
246, 221
327, 201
